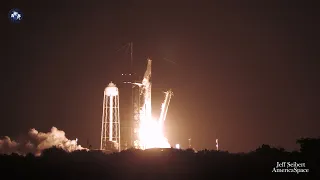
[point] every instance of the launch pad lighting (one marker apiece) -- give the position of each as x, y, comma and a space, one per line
177, 146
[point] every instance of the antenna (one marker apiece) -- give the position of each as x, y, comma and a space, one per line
131, 57
126, 46
132, 93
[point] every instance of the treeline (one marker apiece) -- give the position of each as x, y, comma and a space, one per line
55, 163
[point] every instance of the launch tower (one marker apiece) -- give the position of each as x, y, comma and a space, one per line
110, 130
130, 103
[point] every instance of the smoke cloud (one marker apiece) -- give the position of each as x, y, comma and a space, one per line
36, 142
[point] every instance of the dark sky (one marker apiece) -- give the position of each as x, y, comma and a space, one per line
246, 73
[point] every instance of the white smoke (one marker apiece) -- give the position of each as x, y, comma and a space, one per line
38, 141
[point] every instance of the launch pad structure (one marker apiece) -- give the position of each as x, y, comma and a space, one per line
140, 96
137, 106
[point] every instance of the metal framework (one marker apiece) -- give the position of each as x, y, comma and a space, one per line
136, 112
164, 107
110, 130
142, 107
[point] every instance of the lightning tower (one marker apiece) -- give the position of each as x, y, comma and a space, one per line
110, 130
164, 107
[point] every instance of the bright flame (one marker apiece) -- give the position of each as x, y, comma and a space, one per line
150, 130
151, 135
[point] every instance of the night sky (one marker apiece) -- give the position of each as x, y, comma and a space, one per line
246, 73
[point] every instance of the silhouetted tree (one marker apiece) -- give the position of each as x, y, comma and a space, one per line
29, 156
309, 146
55, 153
156, 164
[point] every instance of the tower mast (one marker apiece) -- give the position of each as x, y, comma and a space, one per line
132, 96
131, 58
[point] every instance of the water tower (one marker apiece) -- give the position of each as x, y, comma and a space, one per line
110, 130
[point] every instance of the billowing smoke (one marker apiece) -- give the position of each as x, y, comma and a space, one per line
36, 142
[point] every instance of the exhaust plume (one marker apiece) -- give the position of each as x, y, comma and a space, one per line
38, 141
